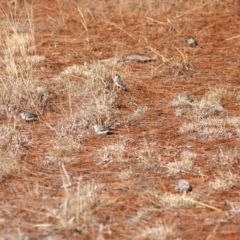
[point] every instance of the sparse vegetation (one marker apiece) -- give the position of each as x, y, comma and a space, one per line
160, 231
224, 181
227, 157
177, 201
61, 180
11, 143
118, 153
210, 128
186, 163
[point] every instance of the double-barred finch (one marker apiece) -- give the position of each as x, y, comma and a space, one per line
183, 186
118, 82
192, 42
28, 117
100, 129
184, 97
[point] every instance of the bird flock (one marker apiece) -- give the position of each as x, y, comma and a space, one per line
99, 129
117, 80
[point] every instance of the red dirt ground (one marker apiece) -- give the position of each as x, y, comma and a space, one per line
114, 29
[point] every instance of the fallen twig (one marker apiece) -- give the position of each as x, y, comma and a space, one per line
128, 58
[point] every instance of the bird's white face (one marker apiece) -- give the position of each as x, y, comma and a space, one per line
192, 41
95, 126
22, 115
116, 77
181, 96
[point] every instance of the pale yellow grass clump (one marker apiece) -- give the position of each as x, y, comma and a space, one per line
186, 163
178, 201
211, 102
77, 208
160, 231
212, 127
18, 84
226, 157
10, 143
172, 200
115, 153
92, 86
99, 93
68, 135
217, 94
126, 174
137, 114
147, 154
224, 181
205, 106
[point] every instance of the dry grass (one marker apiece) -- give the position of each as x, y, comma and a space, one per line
137, 114
224, 181
148, 156
172, 200
178, 201
210, 128
160, 231
19, 62
11, 143
59, 179
92, 85
115, 153
186, 163
69, 136
227, 157
78, 206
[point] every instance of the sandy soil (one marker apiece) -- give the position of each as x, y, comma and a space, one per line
126, 195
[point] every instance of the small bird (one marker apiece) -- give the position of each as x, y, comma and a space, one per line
184, 97
100, 129
118, 82
183, 186
28, 117
179, 112
192, 42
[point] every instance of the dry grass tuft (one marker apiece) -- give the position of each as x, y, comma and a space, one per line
18, 84
137, 114
92, 85
10, 144
224, 181
115, 153
77, 210
147, 155
210, 128
178, 201
205, 106
186, 164
172, 200
219, 94
69, 134
211, 103
226, 158
160, 231
126, 174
